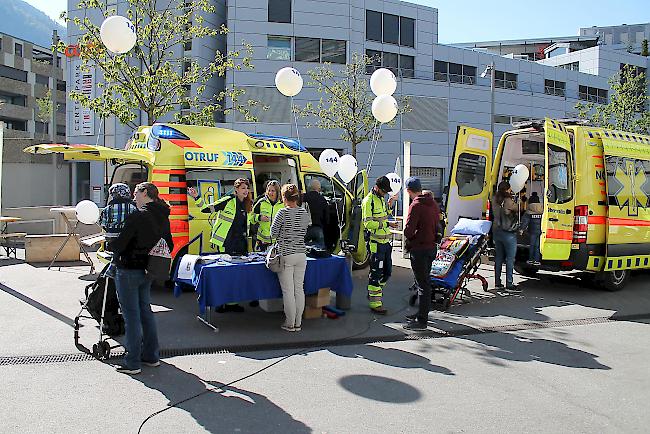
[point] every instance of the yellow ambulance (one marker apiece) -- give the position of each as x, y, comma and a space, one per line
175, 157
594, 184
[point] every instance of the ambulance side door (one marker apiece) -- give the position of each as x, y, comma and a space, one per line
470, 174
557, 221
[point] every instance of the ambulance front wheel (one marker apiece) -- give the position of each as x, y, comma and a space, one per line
613, 280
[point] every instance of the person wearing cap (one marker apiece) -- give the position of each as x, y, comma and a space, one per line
420, 231
374, 214
119, 206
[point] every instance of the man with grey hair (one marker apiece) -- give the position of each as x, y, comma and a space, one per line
318, 210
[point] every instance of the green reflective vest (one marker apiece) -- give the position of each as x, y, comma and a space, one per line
269, 210
224, 219
374, 216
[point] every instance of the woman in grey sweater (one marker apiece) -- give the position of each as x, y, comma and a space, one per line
288, 229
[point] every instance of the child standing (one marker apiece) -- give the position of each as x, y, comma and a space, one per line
532, 222
113, 216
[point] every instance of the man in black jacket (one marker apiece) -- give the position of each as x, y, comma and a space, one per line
319, 217
142, 231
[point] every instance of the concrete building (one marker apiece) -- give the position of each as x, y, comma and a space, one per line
443, 82
26, 73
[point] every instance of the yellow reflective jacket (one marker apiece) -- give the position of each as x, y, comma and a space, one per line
374, 216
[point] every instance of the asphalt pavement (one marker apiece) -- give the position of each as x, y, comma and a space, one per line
558, 356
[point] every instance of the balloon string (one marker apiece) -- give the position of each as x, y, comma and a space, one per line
372, 139
374, 150
295, 119
339, 216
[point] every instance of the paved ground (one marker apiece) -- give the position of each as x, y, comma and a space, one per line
548, 359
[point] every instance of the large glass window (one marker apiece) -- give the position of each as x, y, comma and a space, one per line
13, 73
280, 11
440, 71
42, 79
278, 48
373, 26
390, 61
333, 51
407, 66
505, 80
559, 175
407, 31
13, 99
18, 49
552, 87
307, 50
454, 72
470, 174
375, 60
391, 29
592, 94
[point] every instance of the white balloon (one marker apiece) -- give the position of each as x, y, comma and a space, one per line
384, 108
118, 34
518, 178
347, 168
288, 81
395, 182
383, 82
329, 162
87, 212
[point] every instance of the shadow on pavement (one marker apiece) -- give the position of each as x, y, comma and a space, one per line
380, 388
215, 407
45, 309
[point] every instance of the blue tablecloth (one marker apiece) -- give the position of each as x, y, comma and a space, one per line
219, 283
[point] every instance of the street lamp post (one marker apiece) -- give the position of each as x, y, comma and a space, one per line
489, 69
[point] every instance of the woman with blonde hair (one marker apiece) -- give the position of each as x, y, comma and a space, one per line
289, 228
264, 211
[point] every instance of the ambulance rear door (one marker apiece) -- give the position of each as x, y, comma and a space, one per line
557, 221
354, 237
627, 164
470, 172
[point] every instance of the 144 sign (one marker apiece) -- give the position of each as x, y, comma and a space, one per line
629, 184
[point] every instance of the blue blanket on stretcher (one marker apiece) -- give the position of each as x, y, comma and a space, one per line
451, 278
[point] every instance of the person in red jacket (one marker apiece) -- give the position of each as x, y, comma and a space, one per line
420, 231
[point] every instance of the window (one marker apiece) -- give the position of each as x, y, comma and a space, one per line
407, 66
61, 85
307, 50
431, 178
41, 127
375, 60
470, 174
213, 184
390, 61
280, 11
592, 94
132, 174
13, 73
42, 79
391, 29
505, 80
18, 49
574, 66
326, 185
559, 167
407, 32
278, 48
454, 72
333, 51
14, 124
8, 98
373, 26
552, 87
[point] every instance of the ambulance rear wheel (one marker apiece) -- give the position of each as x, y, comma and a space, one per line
614, 280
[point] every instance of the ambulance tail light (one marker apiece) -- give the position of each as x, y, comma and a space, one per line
580, 224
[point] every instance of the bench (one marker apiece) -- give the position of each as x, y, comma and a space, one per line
9, 242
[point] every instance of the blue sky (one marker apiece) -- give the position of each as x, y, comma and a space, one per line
476, 20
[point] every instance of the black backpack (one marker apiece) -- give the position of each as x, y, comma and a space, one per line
113, 321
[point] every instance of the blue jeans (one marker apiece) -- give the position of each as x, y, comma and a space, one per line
505, 244
133, 291
533, 253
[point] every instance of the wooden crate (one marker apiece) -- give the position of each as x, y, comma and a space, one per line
42, 248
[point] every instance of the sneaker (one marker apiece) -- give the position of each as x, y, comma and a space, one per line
379, 310
415, 325
125, 370
297, 329
287, 328
498, 286
151, 364
513, 288
537, 263
411, 317
529, 262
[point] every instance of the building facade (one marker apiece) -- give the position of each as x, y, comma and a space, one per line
443, 82
26, 74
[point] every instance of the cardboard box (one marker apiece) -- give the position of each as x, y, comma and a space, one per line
42, 248
272, 305
312, 312
318, 300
